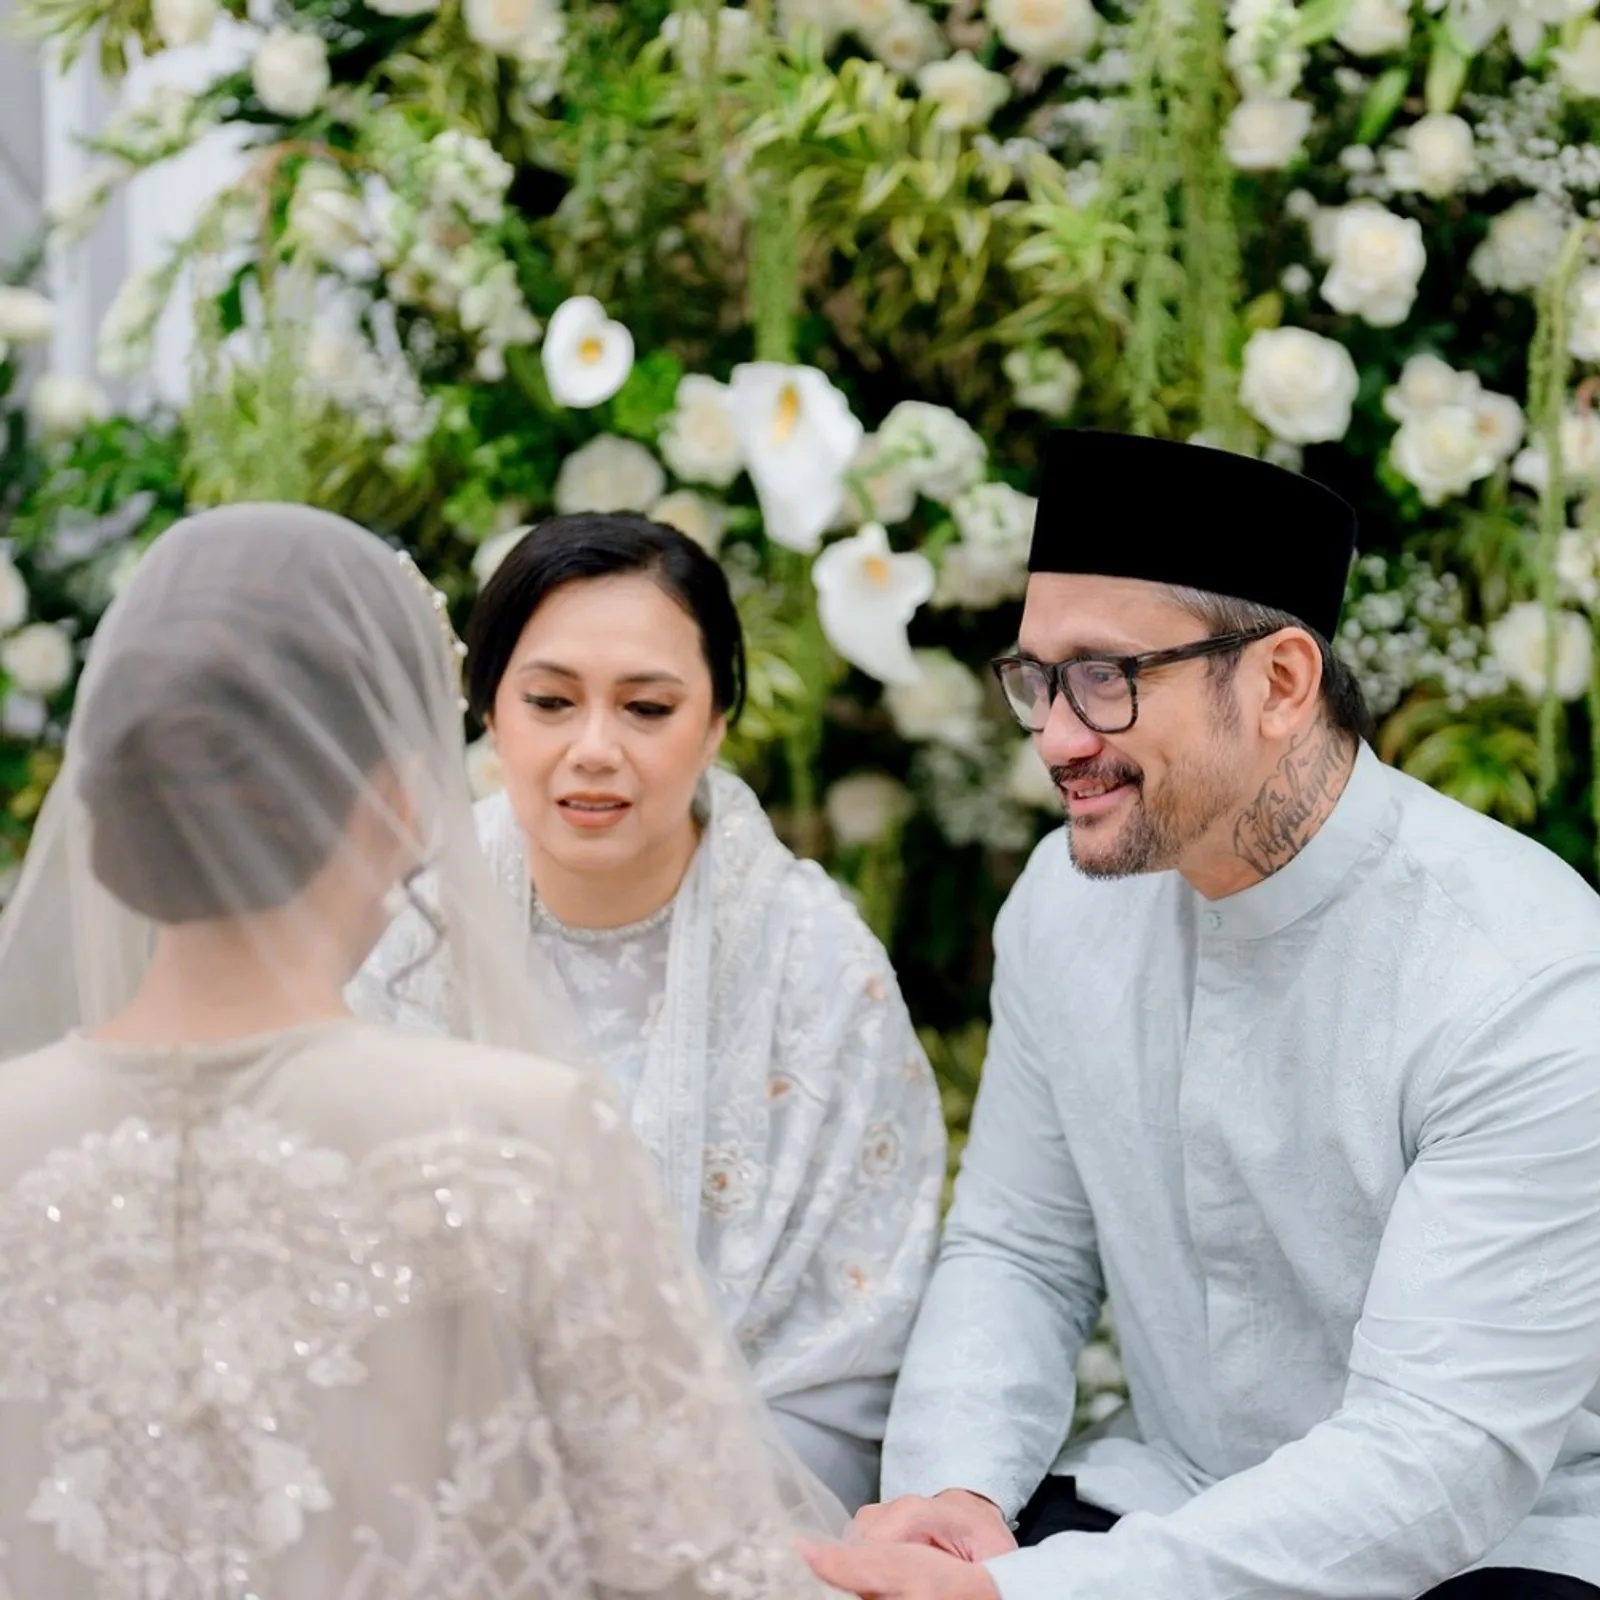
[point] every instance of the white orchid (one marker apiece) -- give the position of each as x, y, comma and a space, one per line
799, 439
866, 594
587, 357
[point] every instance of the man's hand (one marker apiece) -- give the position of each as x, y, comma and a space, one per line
898, 1572
956, 1521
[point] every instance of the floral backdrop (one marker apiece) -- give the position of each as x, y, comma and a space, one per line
811, 280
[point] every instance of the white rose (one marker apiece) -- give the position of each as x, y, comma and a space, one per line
402, 8
1262, 53
1579, 64
974, 579
1298, 384
486, 773
862, 16
26, 317
1436, 156
290, 72
996, 518
1266, 135
1028, 780
943, 704
1519, 639
1377, 264
990, 564
1099, 1369
1521, 247
821, 18
1577, 565
609, 474
1045, 31
865, 807
1583, 337
694, 516
13, 596
1426, 383
59, 406
908, 40
939, 452
1442, 453
965, 91
689, 35
326, 214
507, 25
487, 557
1043, 380
1580, 456
1375, 27
37, 659
700, 443
183, 22
875, 492
1500, 424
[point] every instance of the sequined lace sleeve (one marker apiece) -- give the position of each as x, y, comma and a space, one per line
653, 1411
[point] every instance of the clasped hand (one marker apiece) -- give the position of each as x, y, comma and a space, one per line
917, 1549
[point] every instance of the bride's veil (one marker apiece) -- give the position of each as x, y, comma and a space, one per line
272, 703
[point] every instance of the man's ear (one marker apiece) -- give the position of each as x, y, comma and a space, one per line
1291, 688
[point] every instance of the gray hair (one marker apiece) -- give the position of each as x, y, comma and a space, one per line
1344, 704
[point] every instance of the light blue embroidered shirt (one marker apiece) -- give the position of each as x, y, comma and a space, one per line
1332, 1147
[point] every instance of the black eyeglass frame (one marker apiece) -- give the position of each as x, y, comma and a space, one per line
1055, 672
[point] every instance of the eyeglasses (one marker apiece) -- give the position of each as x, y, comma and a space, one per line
1103, 691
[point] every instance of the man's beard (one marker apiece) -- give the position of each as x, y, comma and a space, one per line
1159, 827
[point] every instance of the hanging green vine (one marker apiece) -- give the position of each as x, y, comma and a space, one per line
1176, 191
1549, 367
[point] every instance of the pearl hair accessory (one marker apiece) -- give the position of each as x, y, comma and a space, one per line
441, 609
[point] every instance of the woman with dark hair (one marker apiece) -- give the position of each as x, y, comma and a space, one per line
741, 1008
292, 1305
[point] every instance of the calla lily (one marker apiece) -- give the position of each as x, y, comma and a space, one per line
866, 594
799, 439
587, 357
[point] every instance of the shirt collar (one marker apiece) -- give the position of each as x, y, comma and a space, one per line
1363, 821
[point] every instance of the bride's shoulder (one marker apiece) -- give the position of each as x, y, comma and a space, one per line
427, 1079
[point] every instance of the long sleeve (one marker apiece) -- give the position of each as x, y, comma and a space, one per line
654, 1418
827, 1326
985, 1397
1478, 1342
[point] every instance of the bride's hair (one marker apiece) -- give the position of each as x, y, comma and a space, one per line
247, 711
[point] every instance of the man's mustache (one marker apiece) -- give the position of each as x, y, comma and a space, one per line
1094, 772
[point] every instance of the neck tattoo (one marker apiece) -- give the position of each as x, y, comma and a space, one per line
1293, 802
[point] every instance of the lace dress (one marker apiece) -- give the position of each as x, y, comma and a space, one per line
342, 1315
756, 1036
618, 977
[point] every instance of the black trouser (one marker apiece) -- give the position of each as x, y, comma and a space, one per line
1056, 1508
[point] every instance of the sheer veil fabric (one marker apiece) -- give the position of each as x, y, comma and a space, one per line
324, 1310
